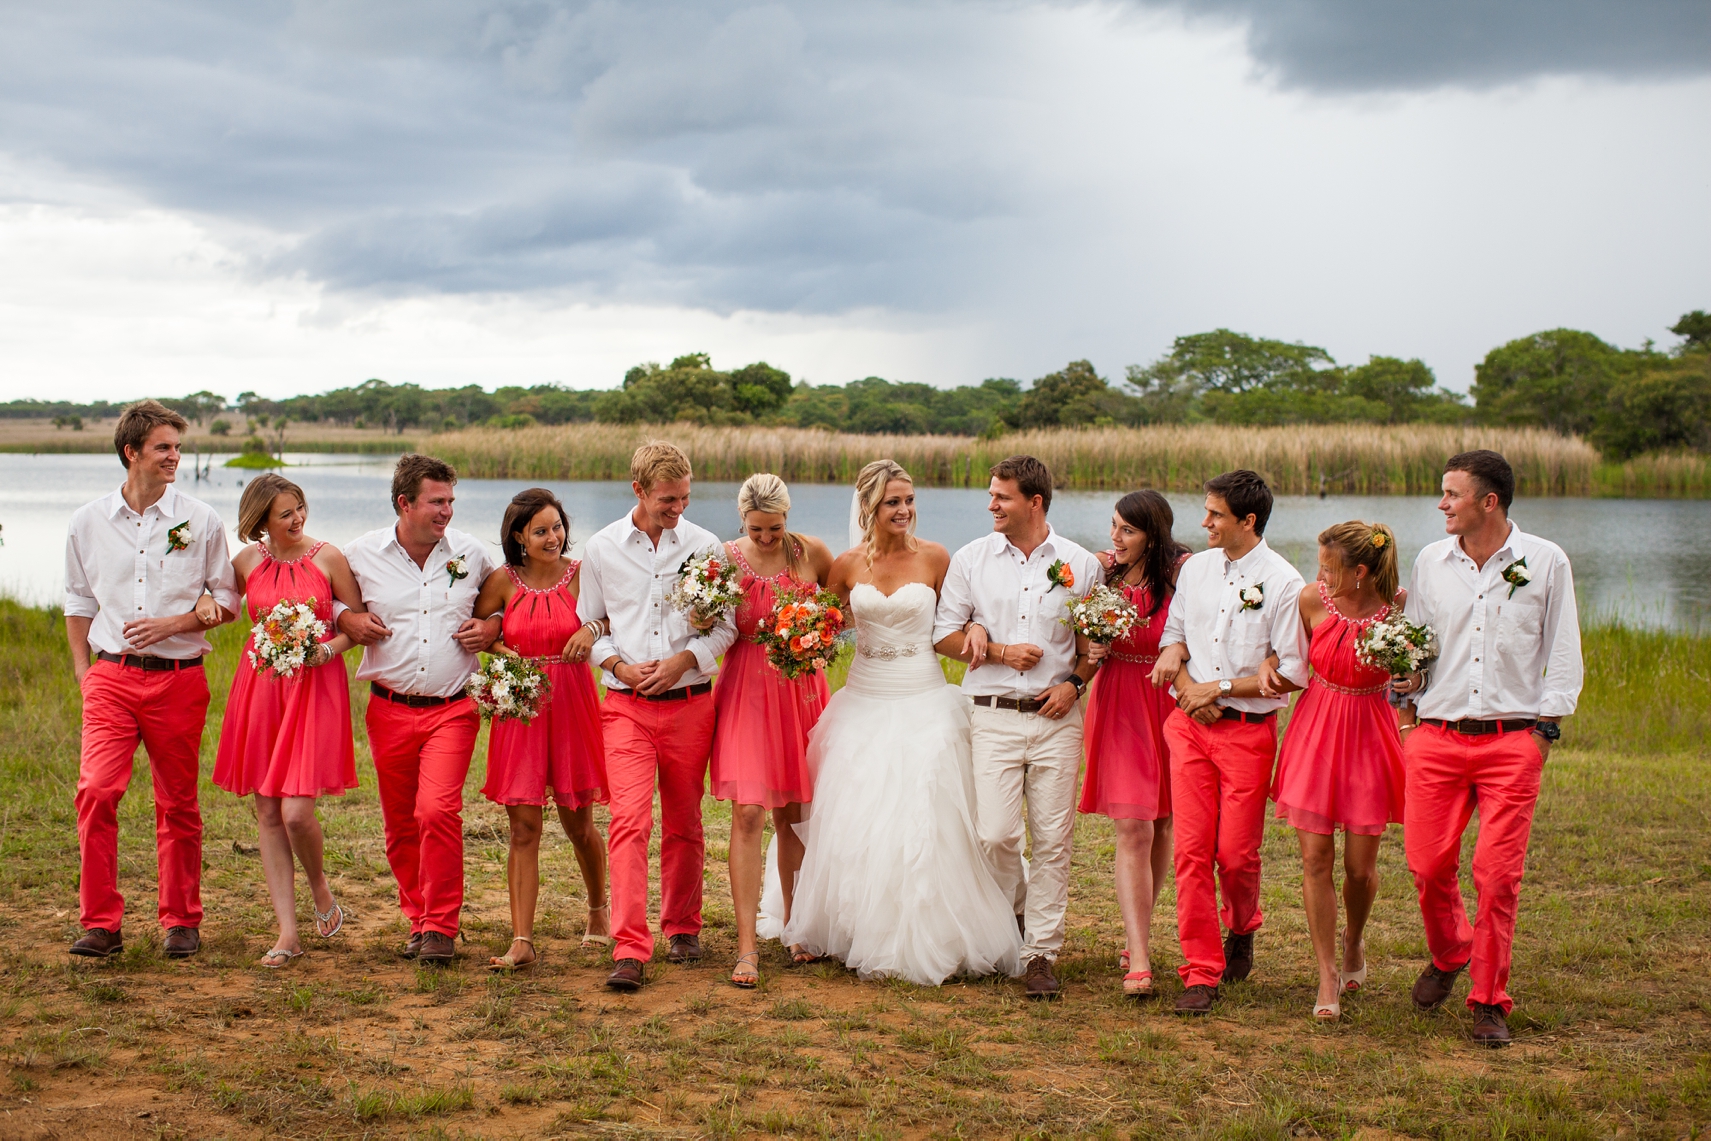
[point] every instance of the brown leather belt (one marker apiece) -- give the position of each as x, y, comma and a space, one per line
1019, 704
1480, 728
1245, 717
413, 700
150, 662
681, 693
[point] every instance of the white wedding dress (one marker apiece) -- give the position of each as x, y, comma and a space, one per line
893, 882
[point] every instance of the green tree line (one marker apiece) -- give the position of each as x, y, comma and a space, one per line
1626, 401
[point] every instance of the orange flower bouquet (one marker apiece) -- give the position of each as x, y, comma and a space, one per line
800, 633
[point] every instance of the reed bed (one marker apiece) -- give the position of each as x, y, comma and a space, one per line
1302, 460
1680, 475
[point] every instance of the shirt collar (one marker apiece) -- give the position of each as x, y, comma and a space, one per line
1248, 561
167, 504
392, 541
1001, 544
1511, 543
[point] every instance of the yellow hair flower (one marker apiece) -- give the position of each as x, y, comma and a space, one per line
1379, 538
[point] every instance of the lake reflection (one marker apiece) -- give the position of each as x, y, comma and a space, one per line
1646, 561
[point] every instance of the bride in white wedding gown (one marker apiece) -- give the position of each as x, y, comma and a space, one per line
893, 882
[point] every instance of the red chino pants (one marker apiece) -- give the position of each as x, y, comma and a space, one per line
1448, 775
667, 742
165, 711
1219, 776
421, 757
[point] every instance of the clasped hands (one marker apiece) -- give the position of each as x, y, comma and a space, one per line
1057, 701
656, 677
141, 633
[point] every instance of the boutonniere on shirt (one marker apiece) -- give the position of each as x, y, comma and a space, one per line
1253, 597
1059, 574
457, 569
179, 538
1517, 575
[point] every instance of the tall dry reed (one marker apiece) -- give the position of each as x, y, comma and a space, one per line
1336, 458
1659, 476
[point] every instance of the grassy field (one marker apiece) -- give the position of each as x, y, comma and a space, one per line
40, 436
1612, 1030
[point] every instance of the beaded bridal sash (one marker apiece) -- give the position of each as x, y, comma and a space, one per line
887, 653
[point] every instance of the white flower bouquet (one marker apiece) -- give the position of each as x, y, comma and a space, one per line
285, 638
709, 586
508, 687
1397, 646
1103, 616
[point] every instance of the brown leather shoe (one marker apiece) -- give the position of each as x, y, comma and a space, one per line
1040, 981
181, 942
1490, 1027
1434, 986
627, 975
1238, 956
684, 949
436, 948
1197, 999
98, 943
413, 945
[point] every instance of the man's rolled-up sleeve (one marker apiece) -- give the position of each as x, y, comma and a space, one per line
956, 600
591, 606
1564, 668
218, 573
1289, 635
79, 594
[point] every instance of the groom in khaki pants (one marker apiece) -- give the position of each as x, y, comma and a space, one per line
1001, 610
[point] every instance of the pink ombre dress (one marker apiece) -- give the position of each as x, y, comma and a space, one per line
760, 737
560, 753
287, 737
1340, 767
1128, 767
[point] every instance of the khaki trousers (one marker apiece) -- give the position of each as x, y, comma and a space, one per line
1027, 763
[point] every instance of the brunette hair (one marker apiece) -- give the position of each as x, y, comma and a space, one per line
768, 494
1490, 471
657, 461
524, 506
1369, 545
412, 469
138, 420
870, 491
1032, 477
1246, 494
1149, 512
256, 503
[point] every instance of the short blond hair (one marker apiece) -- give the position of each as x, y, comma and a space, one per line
256, 503
656, 462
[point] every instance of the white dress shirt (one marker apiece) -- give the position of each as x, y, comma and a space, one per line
625, 579
422, 606
993, 583
1227, 641
1502, 655
118, 569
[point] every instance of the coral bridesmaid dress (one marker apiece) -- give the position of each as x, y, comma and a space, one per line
1341, 762
760, 737
1128, 767
288, 737
561, 750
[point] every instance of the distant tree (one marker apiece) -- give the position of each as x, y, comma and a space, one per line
1405, 389
759, 389
1663, 405
1559, 379
1075, 395
1696, 327
220, 427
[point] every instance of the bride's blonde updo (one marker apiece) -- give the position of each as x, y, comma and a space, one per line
870, 488
766, 493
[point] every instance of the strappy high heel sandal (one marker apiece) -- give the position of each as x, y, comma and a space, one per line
322, 918
598, 940
505, 964
1138, 984
1328, 1011
739, 978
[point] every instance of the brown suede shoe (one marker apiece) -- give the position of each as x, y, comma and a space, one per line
627, 975
436, 948
1040, 981
1434, 986
98, 943
181, 942
1490, 1027
684, 949
1238, 956
413, 945
1197, 999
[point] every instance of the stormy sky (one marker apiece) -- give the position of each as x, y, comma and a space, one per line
292, 196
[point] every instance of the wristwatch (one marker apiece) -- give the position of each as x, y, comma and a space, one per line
1549, 730
1075, 680
1224, 687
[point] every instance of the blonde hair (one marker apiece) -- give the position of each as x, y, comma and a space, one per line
768, 494
656, 462
256, 503
1369, 545
870, 488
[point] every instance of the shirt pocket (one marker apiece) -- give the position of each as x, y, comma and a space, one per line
1250, 630
182, 574
1520, 621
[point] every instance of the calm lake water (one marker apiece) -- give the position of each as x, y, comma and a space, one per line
1645, 561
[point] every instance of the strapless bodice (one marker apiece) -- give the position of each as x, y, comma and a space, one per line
894, 639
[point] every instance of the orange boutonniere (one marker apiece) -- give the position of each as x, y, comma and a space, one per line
1059, 574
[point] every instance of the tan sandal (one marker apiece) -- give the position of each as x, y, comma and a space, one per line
598, 940
323, 918
279, 957
743, 980
506, 964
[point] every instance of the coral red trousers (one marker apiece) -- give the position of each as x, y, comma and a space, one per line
164, 710
421, 757
667, 742
1448, 776
1219, 776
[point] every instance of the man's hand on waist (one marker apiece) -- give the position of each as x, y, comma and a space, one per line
365, 629
1059, 700
476, 634
668, 673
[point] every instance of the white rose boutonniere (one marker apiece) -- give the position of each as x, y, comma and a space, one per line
457, 568
179, 538
1517, 575
1253, 597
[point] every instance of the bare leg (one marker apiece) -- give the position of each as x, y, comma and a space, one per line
1319, 894
278, 870
523, 875
1162, 834
304, 829
1136, 887
1360, 888
748, 824
790, 851
590, 848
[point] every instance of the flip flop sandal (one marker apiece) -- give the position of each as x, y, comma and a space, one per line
1138, 984
505, 964
746, 981
598, 940
322, 918
279, 957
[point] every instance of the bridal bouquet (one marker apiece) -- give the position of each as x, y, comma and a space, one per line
799, 633
1103, 616
285, 637
508, 687
709, 586
1397, 646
